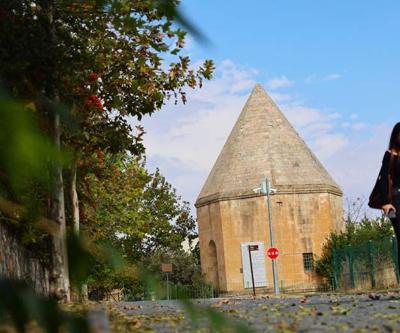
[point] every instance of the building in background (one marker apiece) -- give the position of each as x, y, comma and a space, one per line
306, 208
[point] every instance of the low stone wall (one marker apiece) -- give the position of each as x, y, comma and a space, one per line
18, 263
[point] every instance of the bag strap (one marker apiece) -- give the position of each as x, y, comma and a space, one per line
391, 176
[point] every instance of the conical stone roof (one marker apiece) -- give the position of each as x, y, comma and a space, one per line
264, 144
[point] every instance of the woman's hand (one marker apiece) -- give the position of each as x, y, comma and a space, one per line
387, 208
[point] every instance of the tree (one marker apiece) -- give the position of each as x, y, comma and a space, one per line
134, 210
137, 212
185, 269
356, 233
103, 61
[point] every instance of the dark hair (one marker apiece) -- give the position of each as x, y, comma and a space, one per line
394, 142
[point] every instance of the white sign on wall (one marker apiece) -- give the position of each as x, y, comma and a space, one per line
258, 259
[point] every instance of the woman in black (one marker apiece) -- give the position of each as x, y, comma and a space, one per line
391, 206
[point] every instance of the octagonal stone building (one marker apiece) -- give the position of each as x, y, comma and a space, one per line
306, 208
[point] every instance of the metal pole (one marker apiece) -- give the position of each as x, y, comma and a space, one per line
251, 269
271, 235
335, 270
372, 263
351, 266
167, 287
395, 257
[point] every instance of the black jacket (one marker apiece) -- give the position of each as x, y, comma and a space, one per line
384, 174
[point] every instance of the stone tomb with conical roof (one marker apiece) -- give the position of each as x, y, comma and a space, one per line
305, 209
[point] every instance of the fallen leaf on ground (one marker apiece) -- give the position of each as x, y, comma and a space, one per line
374, 296
135, 323
340, 310
220, 303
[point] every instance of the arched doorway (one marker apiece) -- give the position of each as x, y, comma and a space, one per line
212, 271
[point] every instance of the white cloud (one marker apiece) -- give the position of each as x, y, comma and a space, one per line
352, 157
279, 82
354, 126
313, 78
278, 97
194, 133
332, 77
357, 165
310, 79
317, 128
327, 145
358, 126
300, 115
185, 140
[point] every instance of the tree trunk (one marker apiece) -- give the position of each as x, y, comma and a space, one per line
60, 273
59, 269
83, 293
74, 200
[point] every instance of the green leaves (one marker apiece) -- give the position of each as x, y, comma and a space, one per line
79, 260
355, 234
83, 253
135, 210
139, 214
25, 151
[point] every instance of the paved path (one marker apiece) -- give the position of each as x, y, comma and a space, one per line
374, 312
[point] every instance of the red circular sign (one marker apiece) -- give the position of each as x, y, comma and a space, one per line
272, 252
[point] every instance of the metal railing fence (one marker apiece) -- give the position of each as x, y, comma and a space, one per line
179, 291
371, 265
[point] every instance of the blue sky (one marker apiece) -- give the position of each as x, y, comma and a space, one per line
357, 39
332, 67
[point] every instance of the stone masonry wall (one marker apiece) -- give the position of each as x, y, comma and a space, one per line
18, 263
301, 224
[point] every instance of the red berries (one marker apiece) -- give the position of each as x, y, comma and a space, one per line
93, 76
94, 101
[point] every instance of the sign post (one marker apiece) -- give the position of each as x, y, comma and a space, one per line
266, 188
167, 268
252, 248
